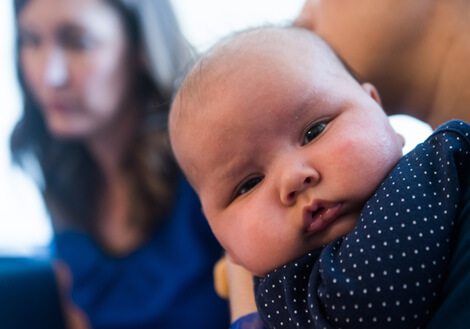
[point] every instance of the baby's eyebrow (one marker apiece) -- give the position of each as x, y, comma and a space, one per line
234, 169
230, 173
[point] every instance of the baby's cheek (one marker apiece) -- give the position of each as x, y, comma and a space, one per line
357, 165
346, 154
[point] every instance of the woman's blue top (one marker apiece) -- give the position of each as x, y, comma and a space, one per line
166, 283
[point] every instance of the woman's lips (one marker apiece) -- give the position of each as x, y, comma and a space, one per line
320, 215
61, 105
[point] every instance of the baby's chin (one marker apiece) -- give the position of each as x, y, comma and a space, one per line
263, 272
341, 228
263, 275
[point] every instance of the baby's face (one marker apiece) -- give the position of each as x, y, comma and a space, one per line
284, 153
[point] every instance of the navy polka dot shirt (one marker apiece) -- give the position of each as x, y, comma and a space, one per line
386, 273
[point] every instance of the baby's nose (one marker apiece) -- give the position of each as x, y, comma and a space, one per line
296, 180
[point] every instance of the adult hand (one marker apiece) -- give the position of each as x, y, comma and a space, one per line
75, 318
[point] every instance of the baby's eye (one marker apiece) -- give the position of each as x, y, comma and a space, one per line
247, 186
313, 132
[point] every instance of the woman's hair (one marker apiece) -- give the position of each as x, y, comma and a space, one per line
71, 179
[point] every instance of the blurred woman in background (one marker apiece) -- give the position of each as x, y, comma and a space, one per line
97, 77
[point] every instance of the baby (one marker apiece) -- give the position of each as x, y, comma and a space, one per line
285, 148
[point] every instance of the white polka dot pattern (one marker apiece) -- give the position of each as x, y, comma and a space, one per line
387, 273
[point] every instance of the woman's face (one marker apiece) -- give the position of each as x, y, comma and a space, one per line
74, 58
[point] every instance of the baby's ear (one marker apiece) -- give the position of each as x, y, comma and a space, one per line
372, 91
402, 139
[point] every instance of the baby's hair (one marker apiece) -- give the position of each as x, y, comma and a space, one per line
206, 71
195, 83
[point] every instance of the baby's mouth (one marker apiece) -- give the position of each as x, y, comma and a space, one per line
318, 211
320, 215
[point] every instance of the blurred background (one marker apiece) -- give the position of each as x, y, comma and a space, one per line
24, 223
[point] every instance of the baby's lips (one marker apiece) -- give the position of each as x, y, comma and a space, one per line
320, 215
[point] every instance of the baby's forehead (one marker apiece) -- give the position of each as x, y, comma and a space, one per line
251, 49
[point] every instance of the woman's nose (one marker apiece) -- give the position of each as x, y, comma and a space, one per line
55, 70
295, 179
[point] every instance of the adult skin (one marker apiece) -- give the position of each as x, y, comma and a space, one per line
415, 52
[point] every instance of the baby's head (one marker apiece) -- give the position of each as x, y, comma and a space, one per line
282, 145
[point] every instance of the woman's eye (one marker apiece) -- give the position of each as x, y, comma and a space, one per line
313, 132
74, 39
78, 42
28, 40
247, 186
